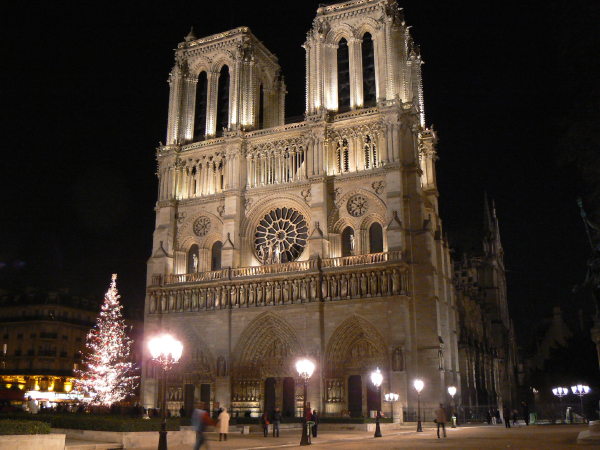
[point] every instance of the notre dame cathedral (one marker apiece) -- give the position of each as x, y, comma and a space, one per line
319, 238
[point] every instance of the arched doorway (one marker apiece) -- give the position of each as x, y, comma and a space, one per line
355, 395
289, 397
270, 395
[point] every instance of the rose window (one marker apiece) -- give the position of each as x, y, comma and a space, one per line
357, 205
280, 236
201, 226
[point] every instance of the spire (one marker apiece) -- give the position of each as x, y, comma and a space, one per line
488, 224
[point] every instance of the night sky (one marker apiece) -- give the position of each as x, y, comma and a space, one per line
511, 88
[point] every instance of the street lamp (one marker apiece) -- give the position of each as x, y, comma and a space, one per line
392, 397
305, 368
419, 385
560, 392
452, 392
580, 390
377, 379
166, 351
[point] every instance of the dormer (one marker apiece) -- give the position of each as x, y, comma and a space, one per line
225, 82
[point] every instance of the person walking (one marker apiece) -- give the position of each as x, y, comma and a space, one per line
223, 424
506, 414
440, 419
497, 415
525, 408
264, 419
200, 419
276, 422
314, 418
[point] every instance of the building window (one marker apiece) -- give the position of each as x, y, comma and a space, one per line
215, 259
375, 238
192, 259
65, 337
343, 72
20, 336
342, 156
223, 101
368, 61
371, 155
200, 110
348, 241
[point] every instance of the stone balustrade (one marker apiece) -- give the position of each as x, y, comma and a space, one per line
364, 276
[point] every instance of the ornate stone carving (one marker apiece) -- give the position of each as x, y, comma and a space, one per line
221, 210
306, 195
378, 186
280, 236
357, 205
201, 226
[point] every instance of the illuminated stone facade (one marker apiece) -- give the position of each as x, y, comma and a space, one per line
319, 238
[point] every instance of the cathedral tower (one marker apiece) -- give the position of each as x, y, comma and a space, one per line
320, 238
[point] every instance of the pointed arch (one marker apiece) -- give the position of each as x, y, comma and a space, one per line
267, 346
355, 345
343, 75
200, 106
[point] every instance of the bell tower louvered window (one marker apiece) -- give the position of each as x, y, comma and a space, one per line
200, 110
368, 61
343, 71
223, 101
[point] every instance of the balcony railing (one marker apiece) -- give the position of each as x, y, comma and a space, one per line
372, 275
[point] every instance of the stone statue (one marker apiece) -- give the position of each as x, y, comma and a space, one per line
398, 360
277, 255
195, 262
352, 244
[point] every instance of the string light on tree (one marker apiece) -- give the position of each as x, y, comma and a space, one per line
107, 375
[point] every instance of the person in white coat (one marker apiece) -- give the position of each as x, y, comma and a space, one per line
223, 424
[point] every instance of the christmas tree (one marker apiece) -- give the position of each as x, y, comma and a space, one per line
107, 376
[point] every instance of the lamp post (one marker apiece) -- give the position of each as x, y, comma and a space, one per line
305, 368
377, 379
166, 351
392, 397
419, 385
581, 390
560, 392
452, 392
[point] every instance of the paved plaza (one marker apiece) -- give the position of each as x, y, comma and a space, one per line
471, 437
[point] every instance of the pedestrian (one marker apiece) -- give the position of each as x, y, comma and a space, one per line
200, 419
276, 422
223, 424
488, 417
440, 419
525, 408
32, 405
506, 414
315, 419
264, 420
308, 419
514, 417
497, 414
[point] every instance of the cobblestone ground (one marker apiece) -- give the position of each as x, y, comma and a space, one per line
476, 437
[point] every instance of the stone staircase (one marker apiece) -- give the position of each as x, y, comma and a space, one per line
77, 444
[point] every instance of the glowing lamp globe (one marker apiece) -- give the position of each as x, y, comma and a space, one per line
560, 391
418, 385
391, 397
376, 377
580, 389
452, 391
165, 347
305, 368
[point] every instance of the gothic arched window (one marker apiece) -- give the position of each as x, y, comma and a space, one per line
192, 259
215, 256
368, 61
342, 156
223, 101
200, 110
348, 241
343, 72
375, 238
371, 155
